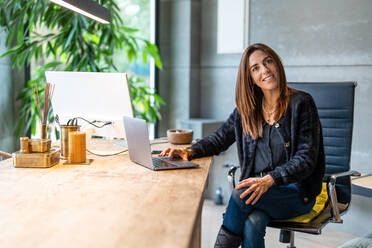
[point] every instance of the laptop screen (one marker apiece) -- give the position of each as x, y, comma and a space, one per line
138, 141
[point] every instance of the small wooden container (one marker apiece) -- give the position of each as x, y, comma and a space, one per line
77, 147
180, 136
36, 160
24, 144
39, 145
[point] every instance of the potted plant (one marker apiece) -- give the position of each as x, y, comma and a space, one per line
72, 42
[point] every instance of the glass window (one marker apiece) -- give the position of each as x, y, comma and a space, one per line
137, 14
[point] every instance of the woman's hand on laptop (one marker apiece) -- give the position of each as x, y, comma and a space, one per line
175, 153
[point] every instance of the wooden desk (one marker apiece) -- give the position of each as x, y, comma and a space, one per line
110, 203
362, 185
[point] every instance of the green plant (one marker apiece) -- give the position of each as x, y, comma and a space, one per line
72, 42
145, 100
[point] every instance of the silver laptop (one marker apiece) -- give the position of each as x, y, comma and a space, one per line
140, 150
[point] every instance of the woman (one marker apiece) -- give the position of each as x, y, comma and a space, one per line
280, 149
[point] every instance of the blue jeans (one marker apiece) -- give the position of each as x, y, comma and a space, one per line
250, 221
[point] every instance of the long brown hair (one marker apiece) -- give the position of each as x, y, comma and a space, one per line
248, 96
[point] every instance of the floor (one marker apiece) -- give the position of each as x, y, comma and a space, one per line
212, 218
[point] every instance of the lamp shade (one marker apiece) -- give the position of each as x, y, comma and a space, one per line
89, 8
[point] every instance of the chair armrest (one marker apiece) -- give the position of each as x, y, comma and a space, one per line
231, 175
331, 184
353, 173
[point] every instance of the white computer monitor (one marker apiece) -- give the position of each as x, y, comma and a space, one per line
94, 96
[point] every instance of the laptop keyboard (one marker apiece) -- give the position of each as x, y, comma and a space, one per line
161, 163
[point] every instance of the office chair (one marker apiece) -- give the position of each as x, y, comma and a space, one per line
4, 155
335, 104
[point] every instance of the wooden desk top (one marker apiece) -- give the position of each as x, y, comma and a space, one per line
363, 181
110, 203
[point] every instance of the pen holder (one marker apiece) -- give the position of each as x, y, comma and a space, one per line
65, 130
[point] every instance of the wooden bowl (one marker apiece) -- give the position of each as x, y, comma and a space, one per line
180, 136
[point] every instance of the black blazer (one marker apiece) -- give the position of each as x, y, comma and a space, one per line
301, 132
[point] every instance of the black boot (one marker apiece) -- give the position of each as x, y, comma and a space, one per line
226, 239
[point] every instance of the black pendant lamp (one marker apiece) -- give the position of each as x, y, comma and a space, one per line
89, 8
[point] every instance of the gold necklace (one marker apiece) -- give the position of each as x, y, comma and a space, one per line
269, 113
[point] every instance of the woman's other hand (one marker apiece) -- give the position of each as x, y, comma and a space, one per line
257, 186
175, 153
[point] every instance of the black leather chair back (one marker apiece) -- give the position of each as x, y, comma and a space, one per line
335, 103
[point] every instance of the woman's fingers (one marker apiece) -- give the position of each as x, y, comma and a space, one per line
256, 187
184, 156
164, 152
174, 153
246, 183
248, 191
257, 197
178, 152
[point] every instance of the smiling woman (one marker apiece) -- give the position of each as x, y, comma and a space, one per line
265, 75
264, 72
280, 150
261, 73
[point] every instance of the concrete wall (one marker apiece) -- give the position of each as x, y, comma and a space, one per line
179, 48
317, 41
11, 81
6, 107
